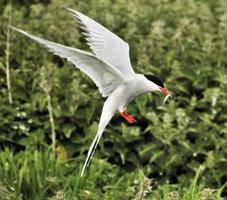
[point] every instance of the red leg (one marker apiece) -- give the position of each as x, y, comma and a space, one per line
131, 117
127, 117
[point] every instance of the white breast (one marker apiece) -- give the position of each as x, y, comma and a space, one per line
134, 86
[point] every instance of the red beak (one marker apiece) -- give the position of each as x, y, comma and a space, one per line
164, 91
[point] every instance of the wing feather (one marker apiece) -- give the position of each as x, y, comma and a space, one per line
106, 45
106, 77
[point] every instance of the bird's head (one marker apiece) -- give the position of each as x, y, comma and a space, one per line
159, 84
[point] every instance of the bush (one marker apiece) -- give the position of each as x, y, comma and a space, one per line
182, 42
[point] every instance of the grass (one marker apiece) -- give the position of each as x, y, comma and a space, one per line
39, 175
179, 45
7, 62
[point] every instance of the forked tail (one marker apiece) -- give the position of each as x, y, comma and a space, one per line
105, 118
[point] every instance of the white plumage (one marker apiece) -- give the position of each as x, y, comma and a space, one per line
106, 77
109, 68
106, 46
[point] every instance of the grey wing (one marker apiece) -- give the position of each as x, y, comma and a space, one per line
106, 77
106, 45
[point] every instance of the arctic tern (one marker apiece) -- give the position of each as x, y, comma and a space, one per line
109, 67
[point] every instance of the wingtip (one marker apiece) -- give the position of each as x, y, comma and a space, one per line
19, 30
75, 13
14, 28
71, 11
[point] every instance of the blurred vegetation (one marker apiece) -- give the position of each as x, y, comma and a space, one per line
184, 42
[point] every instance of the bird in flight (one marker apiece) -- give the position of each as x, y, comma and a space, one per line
109, 67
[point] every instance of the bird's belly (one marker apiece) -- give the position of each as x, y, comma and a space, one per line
125, 94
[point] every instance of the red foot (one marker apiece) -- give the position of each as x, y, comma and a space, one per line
127, 117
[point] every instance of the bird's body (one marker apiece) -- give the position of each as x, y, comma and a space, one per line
119, 100
110, 69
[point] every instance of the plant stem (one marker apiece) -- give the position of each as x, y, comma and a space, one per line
142, 193
195, 181
53, 133
46, 86
7, 58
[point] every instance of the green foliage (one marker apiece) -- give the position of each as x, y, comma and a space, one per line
38, 175
182, 42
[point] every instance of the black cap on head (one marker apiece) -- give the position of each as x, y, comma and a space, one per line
154, 79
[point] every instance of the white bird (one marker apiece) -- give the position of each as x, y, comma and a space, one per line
109, 67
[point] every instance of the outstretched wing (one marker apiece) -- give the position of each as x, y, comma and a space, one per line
106, 46
106, 77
